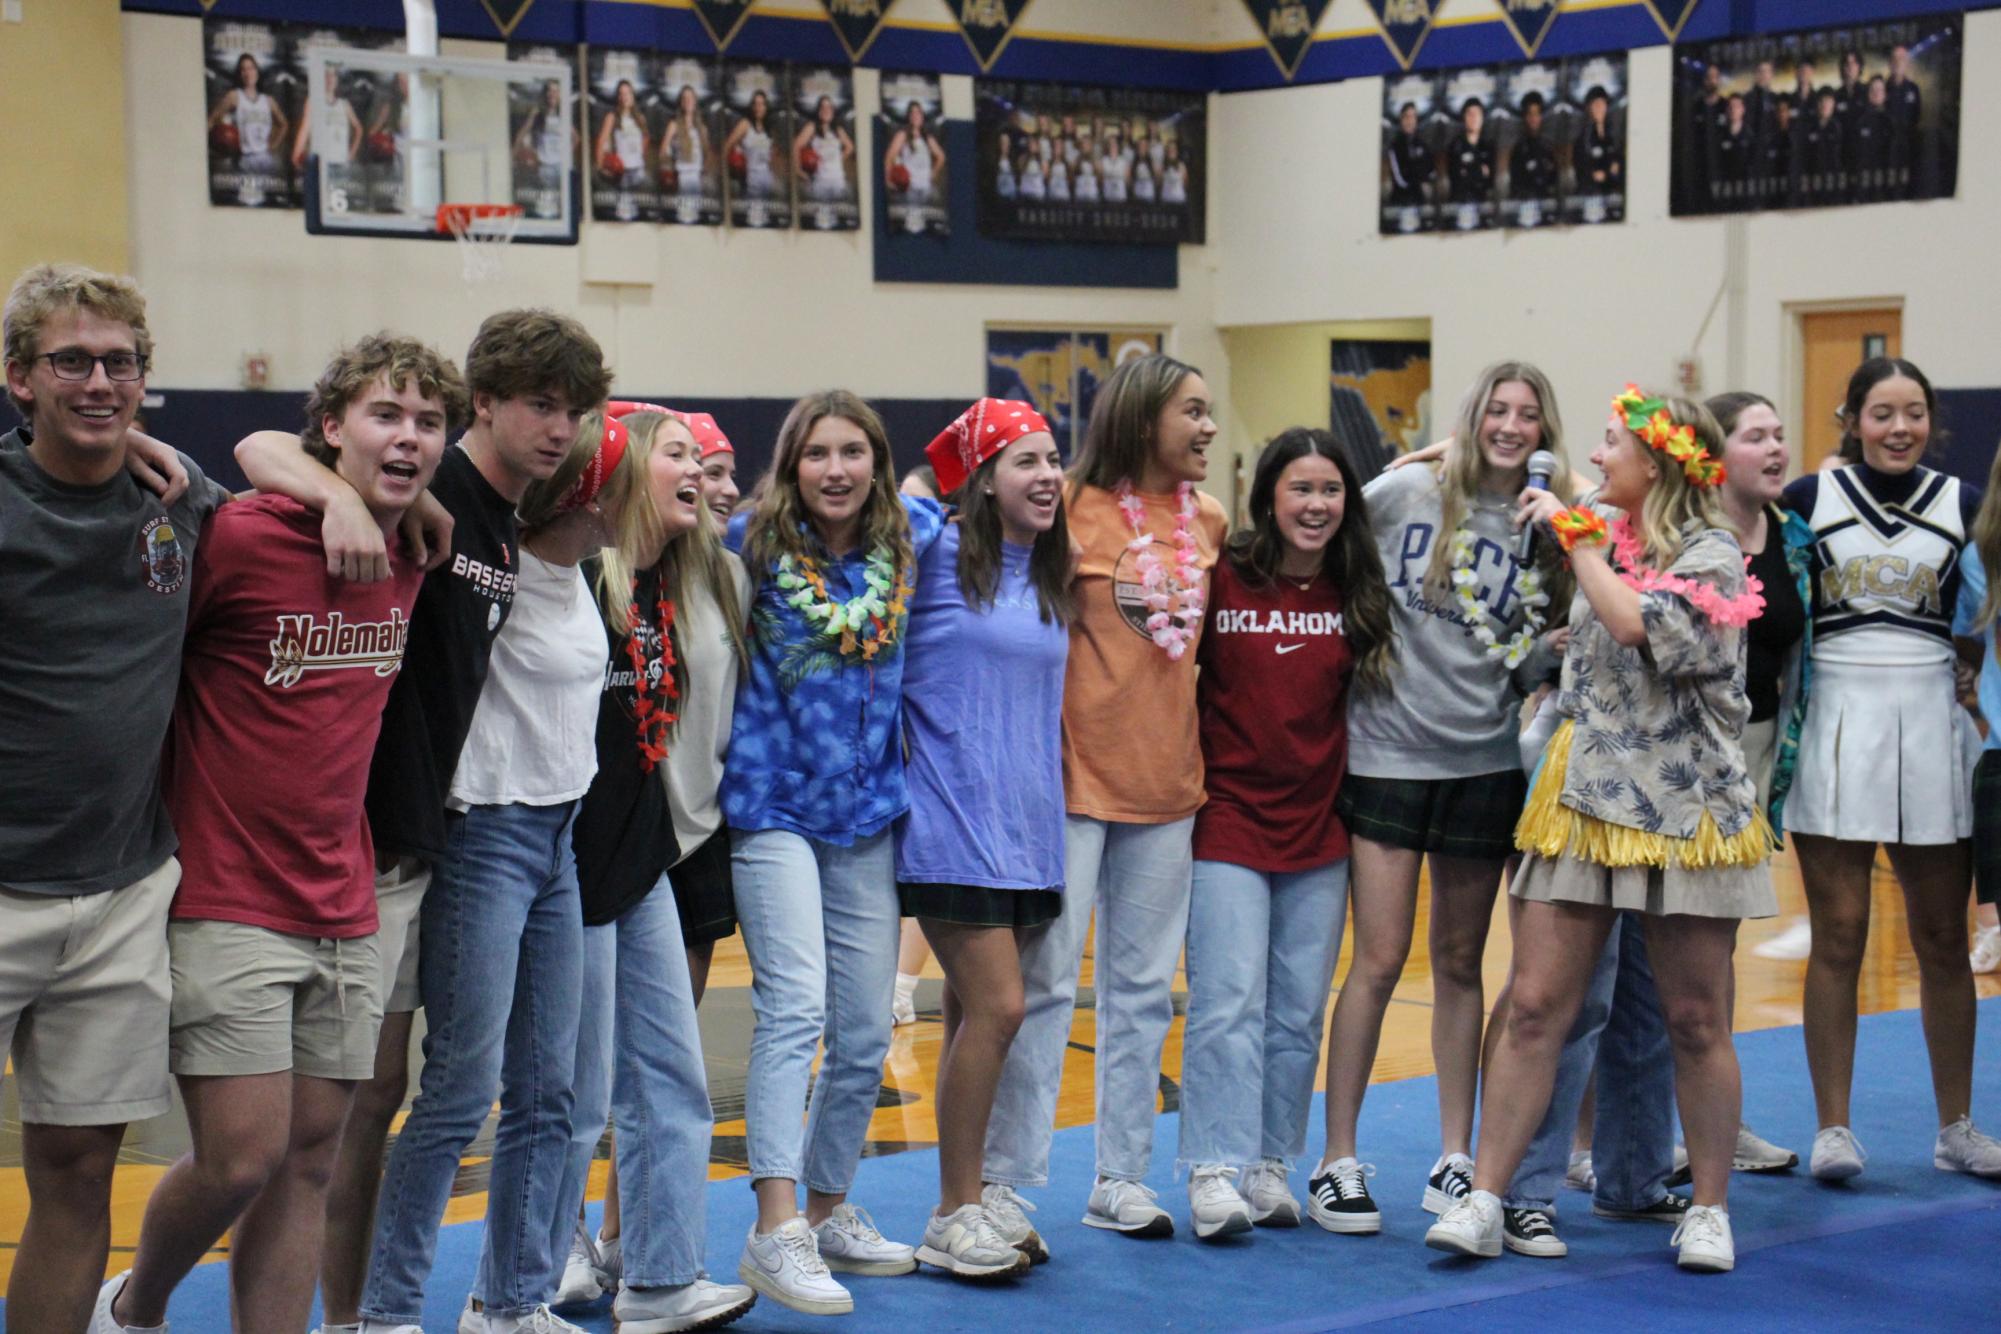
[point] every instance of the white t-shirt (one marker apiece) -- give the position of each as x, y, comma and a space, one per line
695, 752
533, 740
331, 133
253, 123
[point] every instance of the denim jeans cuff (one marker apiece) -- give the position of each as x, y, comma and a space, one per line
675, 1279
781, 1173
1015, 1180
820, 1189
1107, 1174
1525, 1202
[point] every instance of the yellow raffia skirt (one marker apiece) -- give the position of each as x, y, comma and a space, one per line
1577, 858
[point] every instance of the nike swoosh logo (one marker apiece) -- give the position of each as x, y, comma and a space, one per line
1284, 649
774, 1269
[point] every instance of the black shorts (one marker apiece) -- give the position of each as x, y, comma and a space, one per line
704, 893
1455, 817
1987, 826
977, 905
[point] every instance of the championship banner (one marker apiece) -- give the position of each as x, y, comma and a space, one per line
857, 22
507, 13
1530, 21
1287, 27
1406, 23
1672, 14
987, 25
722, 18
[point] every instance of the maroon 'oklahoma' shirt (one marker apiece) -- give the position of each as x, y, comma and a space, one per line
1273, 704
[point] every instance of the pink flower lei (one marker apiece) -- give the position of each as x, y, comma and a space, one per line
1174, 602
1736, 611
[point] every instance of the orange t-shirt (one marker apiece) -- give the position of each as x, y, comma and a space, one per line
1131, 751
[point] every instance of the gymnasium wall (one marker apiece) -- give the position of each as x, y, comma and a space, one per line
65, 157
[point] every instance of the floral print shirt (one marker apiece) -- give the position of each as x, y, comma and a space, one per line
816, 744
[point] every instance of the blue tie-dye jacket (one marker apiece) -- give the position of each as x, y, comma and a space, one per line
816, 742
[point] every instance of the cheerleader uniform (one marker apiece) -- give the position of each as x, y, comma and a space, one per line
1884, 753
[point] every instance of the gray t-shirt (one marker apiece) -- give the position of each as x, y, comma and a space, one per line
93, 606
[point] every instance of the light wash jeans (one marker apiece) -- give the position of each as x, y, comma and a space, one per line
1261, 952
820, 924
500, 969
1622, 1033
1137, 875
639, 1059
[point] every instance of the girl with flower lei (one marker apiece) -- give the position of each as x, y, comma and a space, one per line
1144, 540
1641, 802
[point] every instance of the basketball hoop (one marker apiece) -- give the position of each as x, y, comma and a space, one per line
483, 232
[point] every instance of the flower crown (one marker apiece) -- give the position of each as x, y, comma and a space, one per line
1648, 419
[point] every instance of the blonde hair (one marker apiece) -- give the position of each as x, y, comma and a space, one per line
777, 525
1459, 471
1673, 502
47, 290
542, 503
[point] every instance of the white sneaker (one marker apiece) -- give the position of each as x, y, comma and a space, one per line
697, 1305
472, 1320
1213, 1203
1272, 1202
1795, 942
611, 1260
1451, 1181
541, 1320
966, 1243
377, 1327
1986, 955
1580, 1175
1470, 1227
1757, 1154
100, 1314
1705, 1241
785, 1265
1128, 1207
1961, 1148
1010, 1212
850, 1244
354, 1328
903, 1006
580, 1271
1837, 1154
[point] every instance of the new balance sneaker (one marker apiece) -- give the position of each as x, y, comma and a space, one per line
1472, 1226
1756, 1154
1985, 956
1214, 1206
1837, 1155
1264, 1189
1531, 1232
1010, 1214
1793, 943
784, 1264
850, 1244
1451, 1180
1338, 1197
1128, 1207
611, 1260
965, 1243
1961, 1148
541, 1320
101, 1319
580, 1284
698, 1305
1669, 1208
1579, 1175
1705, 1241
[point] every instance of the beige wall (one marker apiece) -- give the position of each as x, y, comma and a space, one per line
64, 197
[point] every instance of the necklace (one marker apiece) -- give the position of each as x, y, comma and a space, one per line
865, 624
1480, 619
1174, 601
1737, 611
653, 707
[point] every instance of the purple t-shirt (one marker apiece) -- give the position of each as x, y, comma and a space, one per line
983, 720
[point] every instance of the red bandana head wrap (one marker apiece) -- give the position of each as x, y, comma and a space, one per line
709, 437
982, 431
611, 448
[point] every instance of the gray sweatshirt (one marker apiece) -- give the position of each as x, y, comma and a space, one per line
1451, 711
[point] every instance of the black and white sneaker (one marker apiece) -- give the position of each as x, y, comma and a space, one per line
1338, 1197
1668, 1208
1531, 1232
1451, 1181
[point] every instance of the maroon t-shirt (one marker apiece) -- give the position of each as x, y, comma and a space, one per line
1273, 704
283, 678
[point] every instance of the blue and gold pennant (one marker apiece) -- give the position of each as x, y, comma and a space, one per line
1287, 27
722, 18
987, 25
507, 13
1672, 14
1406, 23
857, 22
1530, 21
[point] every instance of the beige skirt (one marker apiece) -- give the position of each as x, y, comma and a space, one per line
1724, 891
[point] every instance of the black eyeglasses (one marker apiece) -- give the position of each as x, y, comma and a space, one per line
73, 364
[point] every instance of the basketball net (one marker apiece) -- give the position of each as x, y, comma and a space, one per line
483, 233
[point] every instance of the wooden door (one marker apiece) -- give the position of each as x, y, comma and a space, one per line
1835, 342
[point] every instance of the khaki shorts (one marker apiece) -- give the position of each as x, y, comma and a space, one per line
83, 1001
399, 893
252, 1001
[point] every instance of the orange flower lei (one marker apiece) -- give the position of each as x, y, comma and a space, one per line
1648, 419
1579, 527
863, 627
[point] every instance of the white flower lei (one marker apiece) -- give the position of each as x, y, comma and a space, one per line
1528, 586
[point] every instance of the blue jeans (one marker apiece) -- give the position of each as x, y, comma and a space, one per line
1622, 1033
501, 975
639, 1058
1137, 876
820, 924
1261, 952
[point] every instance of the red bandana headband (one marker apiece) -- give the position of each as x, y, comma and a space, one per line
982, 431
709, 437
604, 462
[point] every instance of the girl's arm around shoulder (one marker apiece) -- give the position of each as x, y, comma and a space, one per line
927, 521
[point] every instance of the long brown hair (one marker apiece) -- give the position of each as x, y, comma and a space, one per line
1118, 440
980, 551
1459, 473
778, 527
1351, 560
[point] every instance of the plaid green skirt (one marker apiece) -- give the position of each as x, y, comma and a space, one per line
1455, 817
978, 905
1987, 826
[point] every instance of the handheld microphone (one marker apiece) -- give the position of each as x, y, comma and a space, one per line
1542, 467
